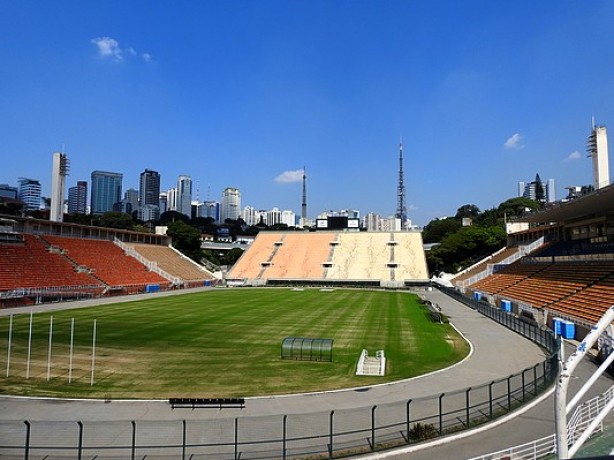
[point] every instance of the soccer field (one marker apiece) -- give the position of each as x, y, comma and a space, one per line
222, 342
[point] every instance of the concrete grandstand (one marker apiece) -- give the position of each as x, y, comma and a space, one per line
387, 259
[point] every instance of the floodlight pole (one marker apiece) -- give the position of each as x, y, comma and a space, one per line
560, 395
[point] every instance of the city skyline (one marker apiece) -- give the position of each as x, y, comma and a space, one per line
241, 94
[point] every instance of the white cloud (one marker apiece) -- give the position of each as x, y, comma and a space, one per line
108, 48
288, 177
575, 155
514, 142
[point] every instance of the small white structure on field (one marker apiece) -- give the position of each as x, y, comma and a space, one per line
371, 365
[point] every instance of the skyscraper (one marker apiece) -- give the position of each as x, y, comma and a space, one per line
77, 198
149, 190
184, 195
30, 193
538, 190
230, 207
130, 203
106, 191
58, 186
149, 195
8, 191
597, 148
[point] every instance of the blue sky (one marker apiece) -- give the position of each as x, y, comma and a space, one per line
242, 93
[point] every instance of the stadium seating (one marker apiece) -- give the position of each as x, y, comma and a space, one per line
582, 290
32, 265
300, 258
106, 261
171, 262
343, 256
507, 277
260, 251
481, 266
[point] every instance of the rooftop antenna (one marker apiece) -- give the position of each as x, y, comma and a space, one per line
593, 122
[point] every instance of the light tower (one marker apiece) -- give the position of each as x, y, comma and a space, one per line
597, 147
58, 185
401, 207
304, 205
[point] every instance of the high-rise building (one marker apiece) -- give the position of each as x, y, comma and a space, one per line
211, 209
149, 195
8, 191
597, 148
371, 222
289, 218
538, 190
106, 191
273, 216
550, 191
250, 215
77, 198
230, 207
130, 203
171, 199
163, 202
58, 186
149, 190
184, 195
30, 193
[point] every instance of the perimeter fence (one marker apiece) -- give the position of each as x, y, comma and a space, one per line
320, 435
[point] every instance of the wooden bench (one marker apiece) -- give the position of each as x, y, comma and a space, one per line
193, 403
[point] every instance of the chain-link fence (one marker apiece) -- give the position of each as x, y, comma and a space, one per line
319, 435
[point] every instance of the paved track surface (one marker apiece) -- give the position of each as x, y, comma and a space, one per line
496, 353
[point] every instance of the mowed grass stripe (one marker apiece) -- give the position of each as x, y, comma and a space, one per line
226, 343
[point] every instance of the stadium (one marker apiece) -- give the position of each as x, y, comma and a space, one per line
553, 280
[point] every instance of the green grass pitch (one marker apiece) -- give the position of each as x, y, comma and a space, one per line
224, 342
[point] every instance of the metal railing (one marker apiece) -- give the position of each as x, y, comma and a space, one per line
546, 446
320, 435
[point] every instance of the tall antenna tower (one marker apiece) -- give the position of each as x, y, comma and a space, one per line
401, 207
304, 206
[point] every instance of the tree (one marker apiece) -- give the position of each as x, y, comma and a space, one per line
14, 208
467, 210
233, 255
437, 229
186, 239
82, 219
517, 207
465, 247
169, 217
114, 219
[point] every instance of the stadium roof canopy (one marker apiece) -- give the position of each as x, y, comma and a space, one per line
598, 203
